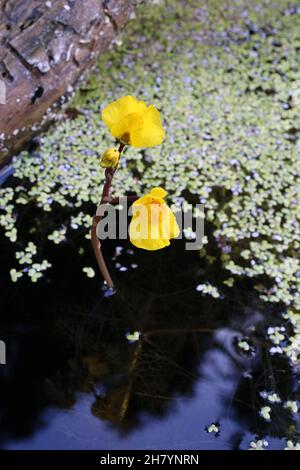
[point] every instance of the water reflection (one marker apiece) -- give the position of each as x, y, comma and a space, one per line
73, 380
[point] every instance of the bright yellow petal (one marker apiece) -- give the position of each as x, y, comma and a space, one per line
152, 132
120, 130
124, 128
113, 113
138, 106
142, 200
145, 227
150, 245
116, 111
169, 226
158, 192
134, 122
138, 228
152, 225
130, 119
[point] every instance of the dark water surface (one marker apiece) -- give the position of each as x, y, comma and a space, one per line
74, 381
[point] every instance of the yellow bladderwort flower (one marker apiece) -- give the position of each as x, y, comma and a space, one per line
109, 158
153, 223
133, 122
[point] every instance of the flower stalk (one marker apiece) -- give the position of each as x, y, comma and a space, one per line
96, 244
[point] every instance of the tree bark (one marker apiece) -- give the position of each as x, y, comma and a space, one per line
45, 46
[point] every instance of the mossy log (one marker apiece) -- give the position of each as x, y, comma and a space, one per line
45, 47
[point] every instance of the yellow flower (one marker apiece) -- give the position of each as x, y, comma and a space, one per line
153, 223
133, 122
109, 158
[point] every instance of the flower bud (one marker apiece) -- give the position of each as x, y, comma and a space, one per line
109, 158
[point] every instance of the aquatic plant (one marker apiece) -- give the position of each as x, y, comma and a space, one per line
134, 123
233, 145
227, 84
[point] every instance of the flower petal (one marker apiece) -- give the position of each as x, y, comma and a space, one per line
153, 223
158, 192
148, 244
152, 132
169, 225
116, 111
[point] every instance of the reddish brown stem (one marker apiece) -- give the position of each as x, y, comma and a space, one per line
109, 173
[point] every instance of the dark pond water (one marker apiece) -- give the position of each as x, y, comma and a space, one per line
74, 381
